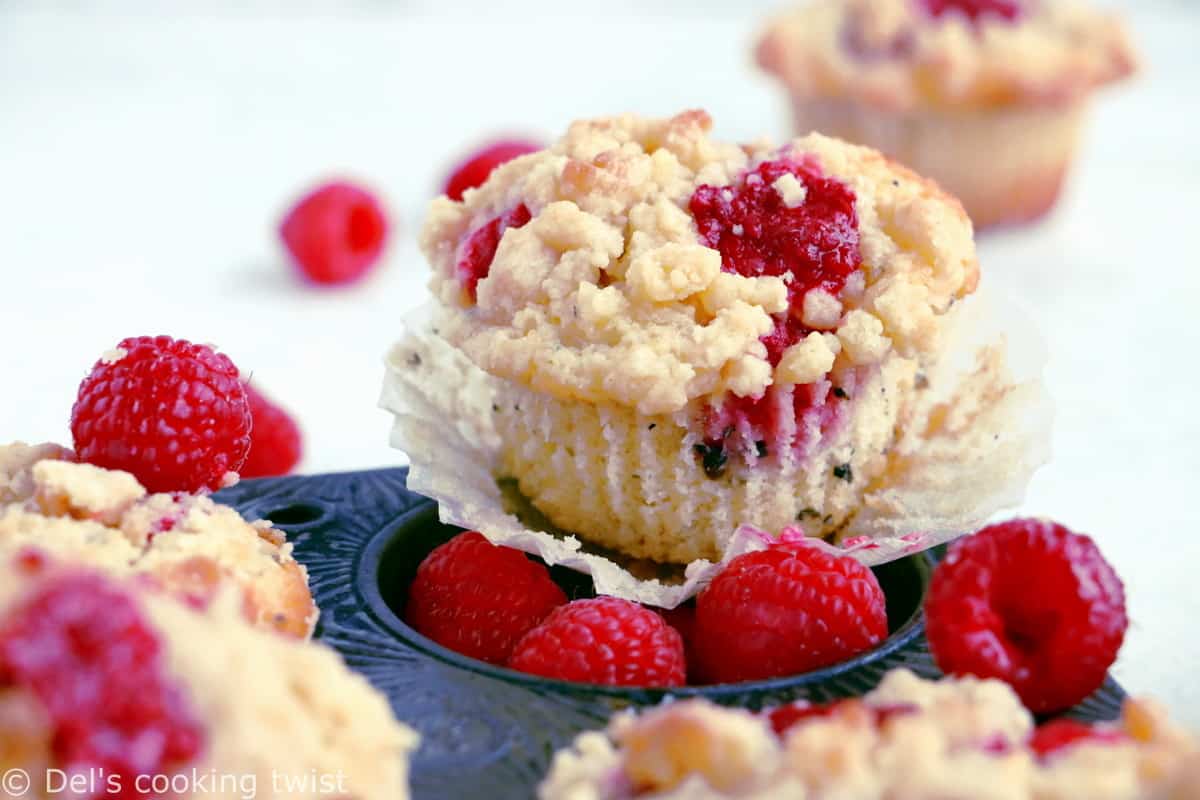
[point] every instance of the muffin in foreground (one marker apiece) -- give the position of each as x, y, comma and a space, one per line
662, 337
911, 738
138, 695
987, 98
185, 543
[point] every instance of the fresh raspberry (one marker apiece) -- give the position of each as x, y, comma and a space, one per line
171, 412
335, 233
1060, 734
1031, 603
479, 599
83, 649
785, 610
603, 640
275, 440
475, 170
683, 620
475, 260
814, 244
1009, 10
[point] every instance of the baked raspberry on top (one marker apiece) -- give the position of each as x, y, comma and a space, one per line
110, 678
784, 218
684, 334
1054, 737
95, 665
480, 247
1010, 10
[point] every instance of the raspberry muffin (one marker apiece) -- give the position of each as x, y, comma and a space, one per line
185, 543
908, 738
986, 97
114, 681
681, 336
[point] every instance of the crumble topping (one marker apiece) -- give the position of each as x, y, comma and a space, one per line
609, 294
910, 737
186, 543
271, 707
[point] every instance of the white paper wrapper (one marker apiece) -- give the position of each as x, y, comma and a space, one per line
986, 394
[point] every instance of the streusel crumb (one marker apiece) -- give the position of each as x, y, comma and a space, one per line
609, 295
894, 55
910, 738
186, 543
285, 713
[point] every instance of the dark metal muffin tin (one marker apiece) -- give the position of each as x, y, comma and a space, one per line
489, 729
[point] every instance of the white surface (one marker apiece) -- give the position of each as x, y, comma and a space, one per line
144, 161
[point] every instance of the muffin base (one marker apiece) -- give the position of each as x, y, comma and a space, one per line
1006, 165
635, 484
965, 450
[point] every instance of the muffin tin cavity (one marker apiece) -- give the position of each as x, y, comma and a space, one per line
296, 514
391, 559
485, 726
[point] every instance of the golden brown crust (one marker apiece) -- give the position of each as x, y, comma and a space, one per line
286, 606
188, 545
891, 55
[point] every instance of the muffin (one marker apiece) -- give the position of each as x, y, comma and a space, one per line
678, 337
987, 97
909, 738
185, 543
134, 694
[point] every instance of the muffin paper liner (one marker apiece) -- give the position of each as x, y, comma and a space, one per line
976, 437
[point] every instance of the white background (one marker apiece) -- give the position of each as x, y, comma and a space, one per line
146, 156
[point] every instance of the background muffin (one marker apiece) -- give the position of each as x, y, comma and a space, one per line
958, 737
987, 98
690, 335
